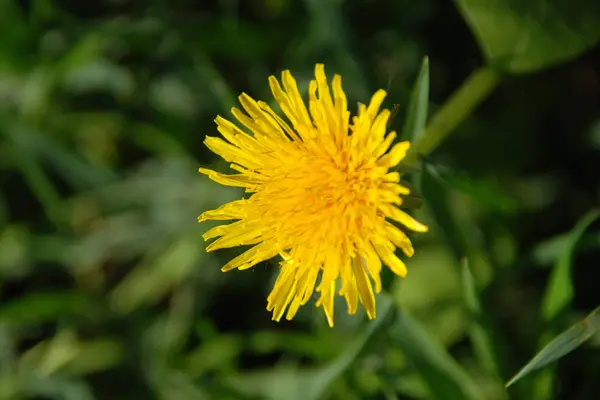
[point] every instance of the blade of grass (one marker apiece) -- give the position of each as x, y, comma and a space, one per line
416, 114
326, 375
293, 383
559, 292
481, 332
41, 186
563, 344
329, 31
446, 379
478, 86
558, 295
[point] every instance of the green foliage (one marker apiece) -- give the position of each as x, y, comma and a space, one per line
561, 345
560, 292
525, 36
107, 291
416, 114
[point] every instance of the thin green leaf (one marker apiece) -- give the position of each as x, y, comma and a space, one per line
562, 345
485, 191
436, 198
559, 292
41, 185
549, 251
479, 331
525, 36
42, 307
329, 32
213, 81
158, 273
475, 89
71, 166
56, 387
292, 383
416, 114
326, 375
445, 377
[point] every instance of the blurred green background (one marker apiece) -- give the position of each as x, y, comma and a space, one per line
107, 292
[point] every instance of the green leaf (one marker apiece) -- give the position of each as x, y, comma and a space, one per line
562, 345
157, 274
436, 198
416, 114
479, 332
485, 191
475, 89
56, 387
549, 251
292, 383
445, 377
42, 307
524, 36
74, 169
326, 375
559, 291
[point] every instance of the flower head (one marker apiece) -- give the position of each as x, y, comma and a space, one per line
322, 195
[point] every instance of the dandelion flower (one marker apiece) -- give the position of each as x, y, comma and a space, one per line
323, 195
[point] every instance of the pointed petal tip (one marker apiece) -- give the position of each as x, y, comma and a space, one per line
406, 143
273, 80
330, 322
227, 268
422, 228
244, 97
328, 315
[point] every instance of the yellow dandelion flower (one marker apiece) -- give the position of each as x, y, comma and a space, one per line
323, 195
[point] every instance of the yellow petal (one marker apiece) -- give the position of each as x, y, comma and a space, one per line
232, 210
395, 155
365, 290
402, 217
239, 180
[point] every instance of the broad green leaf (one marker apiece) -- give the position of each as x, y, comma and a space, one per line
524, 36
446, 378
559, 291
416, 114
562, 345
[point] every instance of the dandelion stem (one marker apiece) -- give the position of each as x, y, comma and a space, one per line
459, 106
